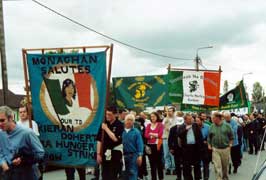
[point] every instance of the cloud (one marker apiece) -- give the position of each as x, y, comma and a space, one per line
236, 29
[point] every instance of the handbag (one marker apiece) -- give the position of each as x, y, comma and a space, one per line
147, 150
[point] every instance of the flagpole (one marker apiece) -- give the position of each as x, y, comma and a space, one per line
24, 52
107, 92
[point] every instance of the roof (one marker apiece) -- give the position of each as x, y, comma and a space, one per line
13, 100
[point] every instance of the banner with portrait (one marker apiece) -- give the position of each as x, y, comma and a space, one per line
68, 98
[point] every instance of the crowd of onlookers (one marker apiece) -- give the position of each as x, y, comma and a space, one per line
142, 146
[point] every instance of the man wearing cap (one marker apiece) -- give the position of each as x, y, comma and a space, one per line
175, 146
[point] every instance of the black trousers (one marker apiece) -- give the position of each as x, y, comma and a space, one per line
70, 173
178, 163
143, 168
253, 143
206, 159
111, 169
236, 156
191, 158
156, 162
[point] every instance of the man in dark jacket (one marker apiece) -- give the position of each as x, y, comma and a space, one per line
253, 134
262, 123
175, 147
191, 143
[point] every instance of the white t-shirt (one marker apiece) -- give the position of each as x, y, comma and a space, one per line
27, 124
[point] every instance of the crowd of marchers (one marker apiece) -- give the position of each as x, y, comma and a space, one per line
151, 146
135, 146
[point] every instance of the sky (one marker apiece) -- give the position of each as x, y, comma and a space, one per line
236, 29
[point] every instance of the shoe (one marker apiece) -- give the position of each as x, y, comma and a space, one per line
174, 172
235, 170
168, 172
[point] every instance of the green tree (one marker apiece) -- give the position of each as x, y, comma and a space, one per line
257, 93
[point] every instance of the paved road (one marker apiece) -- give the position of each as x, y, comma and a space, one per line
245, 171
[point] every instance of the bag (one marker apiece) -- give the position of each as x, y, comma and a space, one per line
159, 145
147, 150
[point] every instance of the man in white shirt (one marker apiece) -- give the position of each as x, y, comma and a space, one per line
24, 120
168, 123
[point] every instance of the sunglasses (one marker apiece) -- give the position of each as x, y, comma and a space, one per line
2, 120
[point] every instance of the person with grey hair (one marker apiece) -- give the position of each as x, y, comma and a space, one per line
132, 147
28, 148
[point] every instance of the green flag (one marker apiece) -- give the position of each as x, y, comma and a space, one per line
140, 91
58, 101
235, 98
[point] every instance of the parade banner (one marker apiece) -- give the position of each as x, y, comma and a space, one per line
194, 87
68, 98
140, 91
198, 108
235, 98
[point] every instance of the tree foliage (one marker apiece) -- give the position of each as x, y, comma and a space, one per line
257, 93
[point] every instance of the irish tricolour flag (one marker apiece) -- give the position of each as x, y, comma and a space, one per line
65, 101
194, 87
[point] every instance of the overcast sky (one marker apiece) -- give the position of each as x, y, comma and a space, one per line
236, 29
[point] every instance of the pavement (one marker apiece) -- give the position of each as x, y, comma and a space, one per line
245, 172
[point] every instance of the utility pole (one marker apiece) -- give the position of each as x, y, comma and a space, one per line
197, 59
3, 54
197, 62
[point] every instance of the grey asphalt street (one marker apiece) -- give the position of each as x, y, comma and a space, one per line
245, 171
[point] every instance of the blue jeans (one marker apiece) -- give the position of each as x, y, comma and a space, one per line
169, 159
131, 166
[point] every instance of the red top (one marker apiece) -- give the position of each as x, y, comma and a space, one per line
158, 131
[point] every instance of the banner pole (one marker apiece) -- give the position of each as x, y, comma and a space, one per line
24, 52
107, 92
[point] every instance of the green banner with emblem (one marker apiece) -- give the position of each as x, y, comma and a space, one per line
140, 91
235, 98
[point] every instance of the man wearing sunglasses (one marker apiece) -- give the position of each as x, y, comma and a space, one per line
28, 148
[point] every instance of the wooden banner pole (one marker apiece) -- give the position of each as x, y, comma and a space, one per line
24, 53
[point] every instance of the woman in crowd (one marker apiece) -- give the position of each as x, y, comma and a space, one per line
153, 134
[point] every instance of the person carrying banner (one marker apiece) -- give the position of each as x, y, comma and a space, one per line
132, 148
28, 148
153, 135
220, 141
175, 146
191, 143
109, 153
168, 122
24, 120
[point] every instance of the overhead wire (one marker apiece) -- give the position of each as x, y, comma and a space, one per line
107, 36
